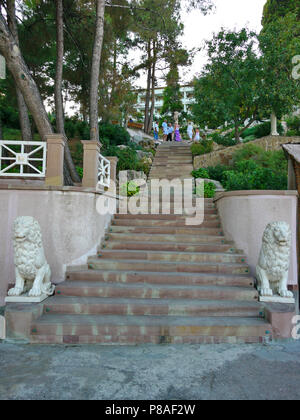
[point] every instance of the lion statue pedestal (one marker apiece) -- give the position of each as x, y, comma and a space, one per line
274, 262
33, 274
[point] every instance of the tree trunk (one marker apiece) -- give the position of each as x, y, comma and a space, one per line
94, 89
148, 90
23, 111
1, 131
237, 132
70, 172
23, 79
150, 122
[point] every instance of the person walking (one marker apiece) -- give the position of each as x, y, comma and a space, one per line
197, 135
165, 130
170, 132
155, 130
177, 133
190, 131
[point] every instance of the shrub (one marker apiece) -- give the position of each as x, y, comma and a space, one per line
201, 173
217, 172
129, 189
202, 148
261, 130
209, 190
224, 140
115, 134
79, 171
294, 125
253, 169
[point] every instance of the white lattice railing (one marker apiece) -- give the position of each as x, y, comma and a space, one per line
14, 159
104, 172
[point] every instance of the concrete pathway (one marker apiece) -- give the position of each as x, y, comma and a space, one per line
175, 372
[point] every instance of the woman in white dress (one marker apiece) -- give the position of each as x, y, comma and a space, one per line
190, 131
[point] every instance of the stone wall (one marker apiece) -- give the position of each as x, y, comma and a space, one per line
245, 215
71, 226
224, 156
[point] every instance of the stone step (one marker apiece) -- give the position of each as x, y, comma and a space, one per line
163, 223
163, 238
168, 256
155, 291
210, 214
114, 329
178, 307
167, 267
188, 230
204, 279
179, 247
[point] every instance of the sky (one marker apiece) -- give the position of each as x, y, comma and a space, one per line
230, 14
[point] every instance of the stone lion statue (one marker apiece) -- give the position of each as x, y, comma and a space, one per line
32, 270
274, 260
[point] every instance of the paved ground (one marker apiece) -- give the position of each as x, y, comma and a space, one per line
150, 372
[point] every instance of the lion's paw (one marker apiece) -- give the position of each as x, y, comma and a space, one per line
35, 292
16, 291
285, 293
266, 292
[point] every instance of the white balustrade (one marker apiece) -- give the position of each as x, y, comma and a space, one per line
17, 159
104, 172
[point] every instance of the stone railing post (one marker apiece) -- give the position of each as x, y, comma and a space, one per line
113, 167
91, 152
55, 160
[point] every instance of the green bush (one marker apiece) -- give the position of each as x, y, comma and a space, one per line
202, 148
261, 130
201, 173
249, 138
217, 172
294, 125
115, 134
129, 189
209, 190
224, 140
79, 171
253, 169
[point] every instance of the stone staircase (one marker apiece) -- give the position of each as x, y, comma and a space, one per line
156, 280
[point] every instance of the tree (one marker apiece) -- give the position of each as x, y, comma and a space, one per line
70, 173
172, 97
95, 72
23, 79
279, 43
229, 87
23, 111
275, 9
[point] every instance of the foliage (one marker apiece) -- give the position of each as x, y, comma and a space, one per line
228, 88
294, 125
80, 171
253, 169
129, 189
261, 130
209, 190
201, 173
223, 140
249, 175
279, 42
202, 148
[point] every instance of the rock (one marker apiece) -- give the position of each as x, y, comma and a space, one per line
132, 175
141, 154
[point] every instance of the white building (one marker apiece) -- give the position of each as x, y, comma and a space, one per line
188, 99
